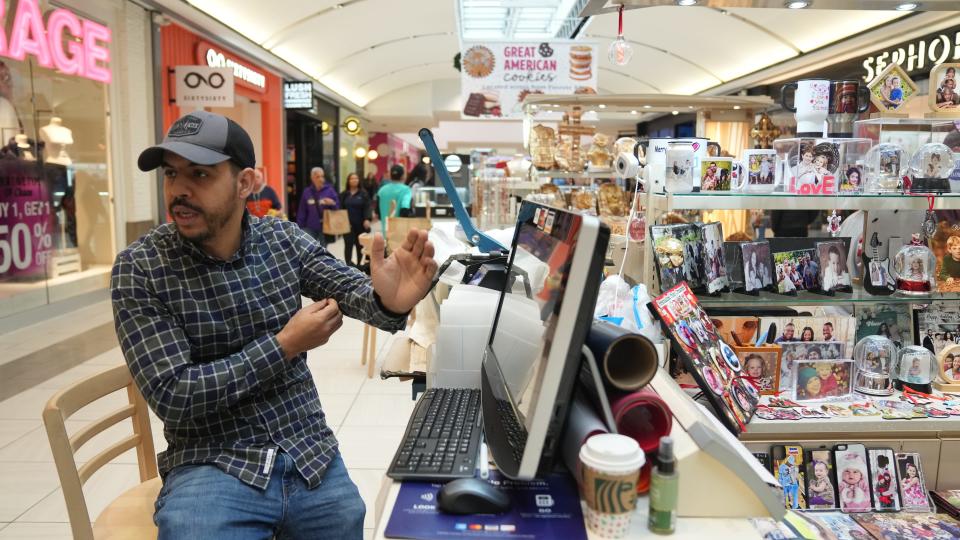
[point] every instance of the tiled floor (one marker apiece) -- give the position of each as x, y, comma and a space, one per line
368, 416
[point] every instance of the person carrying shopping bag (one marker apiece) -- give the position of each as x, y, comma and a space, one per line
316, 198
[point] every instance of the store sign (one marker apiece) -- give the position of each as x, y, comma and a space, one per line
496, 77
212, 56
297, 95
63, 41
26, 220
918, 56
199, 86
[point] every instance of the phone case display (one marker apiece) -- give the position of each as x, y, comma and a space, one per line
913, 268
883, 480
821, 482
788, 467
904, 526
757, 269
882, 168
916, 368
822, 380
930, 167
913, 486
797, 270
833, 266
761, 366
852, 477
698, 345
874, 357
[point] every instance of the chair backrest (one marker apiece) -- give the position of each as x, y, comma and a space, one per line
399, 227
73, 398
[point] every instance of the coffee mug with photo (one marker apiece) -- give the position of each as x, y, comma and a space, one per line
681, 159
811, 103
719, 174
759, 172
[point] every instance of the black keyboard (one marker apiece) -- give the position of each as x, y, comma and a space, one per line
442, 438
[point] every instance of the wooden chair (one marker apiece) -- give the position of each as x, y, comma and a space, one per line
130, 516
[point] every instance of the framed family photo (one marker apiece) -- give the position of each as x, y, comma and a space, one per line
892, 89
944, 96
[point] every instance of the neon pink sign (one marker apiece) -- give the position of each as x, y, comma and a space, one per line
67, 43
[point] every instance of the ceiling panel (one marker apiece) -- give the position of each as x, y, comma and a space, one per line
406, 77
397, 55
261, 20
811, 29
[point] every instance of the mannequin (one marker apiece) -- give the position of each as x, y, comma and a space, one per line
9, 119
24, 146
57, 137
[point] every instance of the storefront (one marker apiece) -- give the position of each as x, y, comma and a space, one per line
66, 135
258, 96
312, 141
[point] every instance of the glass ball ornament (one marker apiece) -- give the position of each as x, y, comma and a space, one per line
882, 166
932, 160
874, 357
913, 268
620, 51
916, 369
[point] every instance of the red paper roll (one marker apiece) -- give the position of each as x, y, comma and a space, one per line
642, 416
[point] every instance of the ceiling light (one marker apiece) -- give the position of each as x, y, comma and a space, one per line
633, 112
360, 152
372, 155
426, 159
343, 152
351, 125
602, 106
736, 107
686, 2
797, 4
647, 106
675, 113
908, 6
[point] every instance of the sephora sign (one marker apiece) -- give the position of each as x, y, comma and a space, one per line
63, 41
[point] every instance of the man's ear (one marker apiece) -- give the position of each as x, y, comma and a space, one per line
246, 181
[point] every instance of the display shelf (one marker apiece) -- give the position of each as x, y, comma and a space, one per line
858, 296
600, 173
790, 201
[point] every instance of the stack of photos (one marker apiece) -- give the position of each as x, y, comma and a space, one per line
938, 325
833, 266
795, 352
892, 321
822, 380
905, 526
699, 347
837, 526
691, 252
797, 270
757, 272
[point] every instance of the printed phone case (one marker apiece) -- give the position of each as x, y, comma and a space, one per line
763, 458
821, 480
883, 480
788, 468
912, 483
853, 479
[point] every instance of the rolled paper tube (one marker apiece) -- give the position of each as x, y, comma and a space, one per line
642, 416
627, 165
582, 423
627, 361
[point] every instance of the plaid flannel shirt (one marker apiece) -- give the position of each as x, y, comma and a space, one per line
199, 336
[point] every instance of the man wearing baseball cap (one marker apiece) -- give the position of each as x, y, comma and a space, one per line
208, 313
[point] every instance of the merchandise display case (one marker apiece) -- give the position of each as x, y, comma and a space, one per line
431, 201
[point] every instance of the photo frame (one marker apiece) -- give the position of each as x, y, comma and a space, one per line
757, 266
822, 380
821, 480
796, 270
761, 366
834, 274
949, 362
676, 253
714, 263
912, 484
883, 89
883, 480
937, 325
944, 93
806, 351
892, 321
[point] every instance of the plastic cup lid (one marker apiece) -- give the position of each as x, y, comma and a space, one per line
611, 452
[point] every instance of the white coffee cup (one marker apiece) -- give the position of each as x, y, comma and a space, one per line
811, 104
719, 174
681, 161
759, 172
657, 151
609, 471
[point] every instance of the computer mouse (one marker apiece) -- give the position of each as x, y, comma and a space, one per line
472, 496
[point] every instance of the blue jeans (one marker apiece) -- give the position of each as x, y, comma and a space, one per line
203, 502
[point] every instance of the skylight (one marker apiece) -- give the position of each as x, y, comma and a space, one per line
505, 20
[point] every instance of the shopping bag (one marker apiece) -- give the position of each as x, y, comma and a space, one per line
336, 222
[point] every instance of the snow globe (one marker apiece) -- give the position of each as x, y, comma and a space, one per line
930, 168
913, 268
874, 357
916, 369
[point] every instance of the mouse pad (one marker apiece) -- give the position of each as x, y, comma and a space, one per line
539, 509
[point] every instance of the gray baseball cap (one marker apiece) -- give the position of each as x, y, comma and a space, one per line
203, 138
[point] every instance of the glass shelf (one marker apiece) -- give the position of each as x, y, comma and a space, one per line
803, 298
734, 200
595, 173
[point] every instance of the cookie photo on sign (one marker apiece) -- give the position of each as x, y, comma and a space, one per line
478, 61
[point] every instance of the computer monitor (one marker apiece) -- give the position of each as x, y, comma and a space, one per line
532, 358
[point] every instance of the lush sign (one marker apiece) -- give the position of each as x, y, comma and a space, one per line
65, 42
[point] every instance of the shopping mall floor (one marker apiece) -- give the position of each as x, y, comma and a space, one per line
368, 416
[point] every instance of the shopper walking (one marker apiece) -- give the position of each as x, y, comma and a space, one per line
394, 191
208, 313
263, 198
316, 198
357, 203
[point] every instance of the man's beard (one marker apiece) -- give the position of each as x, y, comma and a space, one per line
215, 221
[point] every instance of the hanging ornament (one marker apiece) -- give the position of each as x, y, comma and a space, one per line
620, 52
833, 224
929, 227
